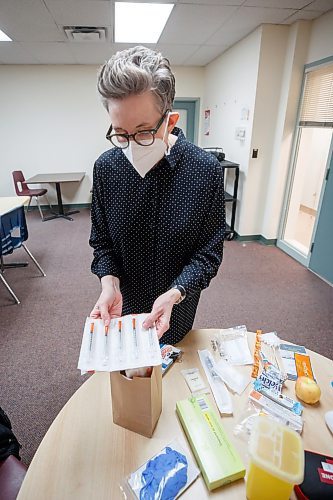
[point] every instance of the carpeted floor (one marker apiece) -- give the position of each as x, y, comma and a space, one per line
39, 340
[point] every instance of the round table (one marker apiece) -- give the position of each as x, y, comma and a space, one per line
85, 456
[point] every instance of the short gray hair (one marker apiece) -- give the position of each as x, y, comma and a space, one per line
135, 71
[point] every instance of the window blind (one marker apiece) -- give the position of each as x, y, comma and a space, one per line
317, 104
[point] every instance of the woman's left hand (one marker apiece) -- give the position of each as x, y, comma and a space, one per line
161, 312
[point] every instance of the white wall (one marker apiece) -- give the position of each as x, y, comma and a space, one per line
280, 166
52, 121
321, 41
190, 83
308, 41
270, 75
229, 87
262, 72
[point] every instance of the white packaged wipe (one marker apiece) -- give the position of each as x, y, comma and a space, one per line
124, 345
194, 380
219, 390
235, 380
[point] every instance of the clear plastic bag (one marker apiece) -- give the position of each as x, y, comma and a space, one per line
244, 425
232, 345
167, 474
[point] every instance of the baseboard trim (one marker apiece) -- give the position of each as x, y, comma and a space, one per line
257, 237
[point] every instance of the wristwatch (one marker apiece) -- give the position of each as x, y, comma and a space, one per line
182, 291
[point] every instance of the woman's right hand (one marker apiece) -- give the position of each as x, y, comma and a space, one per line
110, 303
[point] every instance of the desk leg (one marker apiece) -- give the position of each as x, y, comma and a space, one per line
59, 197
61, 214
9, 289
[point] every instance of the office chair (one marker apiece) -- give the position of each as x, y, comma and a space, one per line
22, 189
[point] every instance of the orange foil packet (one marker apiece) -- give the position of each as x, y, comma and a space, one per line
303, 366
256, 355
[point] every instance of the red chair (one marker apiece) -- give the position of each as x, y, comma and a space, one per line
12, 473
22, 189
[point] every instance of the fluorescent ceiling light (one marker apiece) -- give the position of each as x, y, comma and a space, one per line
4, 37
140, 22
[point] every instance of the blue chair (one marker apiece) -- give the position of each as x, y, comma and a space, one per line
13, 234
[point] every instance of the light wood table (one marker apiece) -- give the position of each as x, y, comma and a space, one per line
84, 456
9, 203
57, 179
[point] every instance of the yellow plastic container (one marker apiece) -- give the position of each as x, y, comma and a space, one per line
276, 461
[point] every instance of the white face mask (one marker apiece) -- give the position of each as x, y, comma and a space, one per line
143, 158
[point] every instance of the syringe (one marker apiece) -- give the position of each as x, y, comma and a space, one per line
151, 340
120, 340
106, 336
92, 325
135, 338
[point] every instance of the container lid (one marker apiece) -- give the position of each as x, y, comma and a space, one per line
277, 449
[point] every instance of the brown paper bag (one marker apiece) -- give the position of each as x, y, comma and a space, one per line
137, 402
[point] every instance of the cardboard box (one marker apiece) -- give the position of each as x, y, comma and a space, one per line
217, 458
137, 402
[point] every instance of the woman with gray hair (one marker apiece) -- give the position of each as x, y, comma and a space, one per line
158, 218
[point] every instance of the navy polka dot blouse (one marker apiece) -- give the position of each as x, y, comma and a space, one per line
161, 230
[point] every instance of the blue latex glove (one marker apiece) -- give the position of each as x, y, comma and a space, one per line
164, 476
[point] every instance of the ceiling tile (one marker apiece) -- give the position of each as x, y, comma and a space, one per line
15, 53
83, 13
322, 5
51, 52
196, 32
186, 23
212, 2
204, 55
278, 4
28, 21
150, 1
302, 15
176, 53
97, 53
91, 53
245, 20
230, 35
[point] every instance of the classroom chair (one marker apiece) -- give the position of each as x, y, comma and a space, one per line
22, 189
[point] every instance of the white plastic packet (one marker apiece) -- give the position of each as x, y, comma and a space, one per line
194, 381
233, 346
219, 390
271, 339
235, 380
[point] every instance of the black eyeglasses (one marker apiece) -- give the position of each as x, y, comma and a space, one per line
143, 137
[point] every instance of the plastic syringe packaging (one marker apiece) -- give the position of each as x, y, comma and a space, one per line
124, 345
273, 407
218, 387
232, 345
